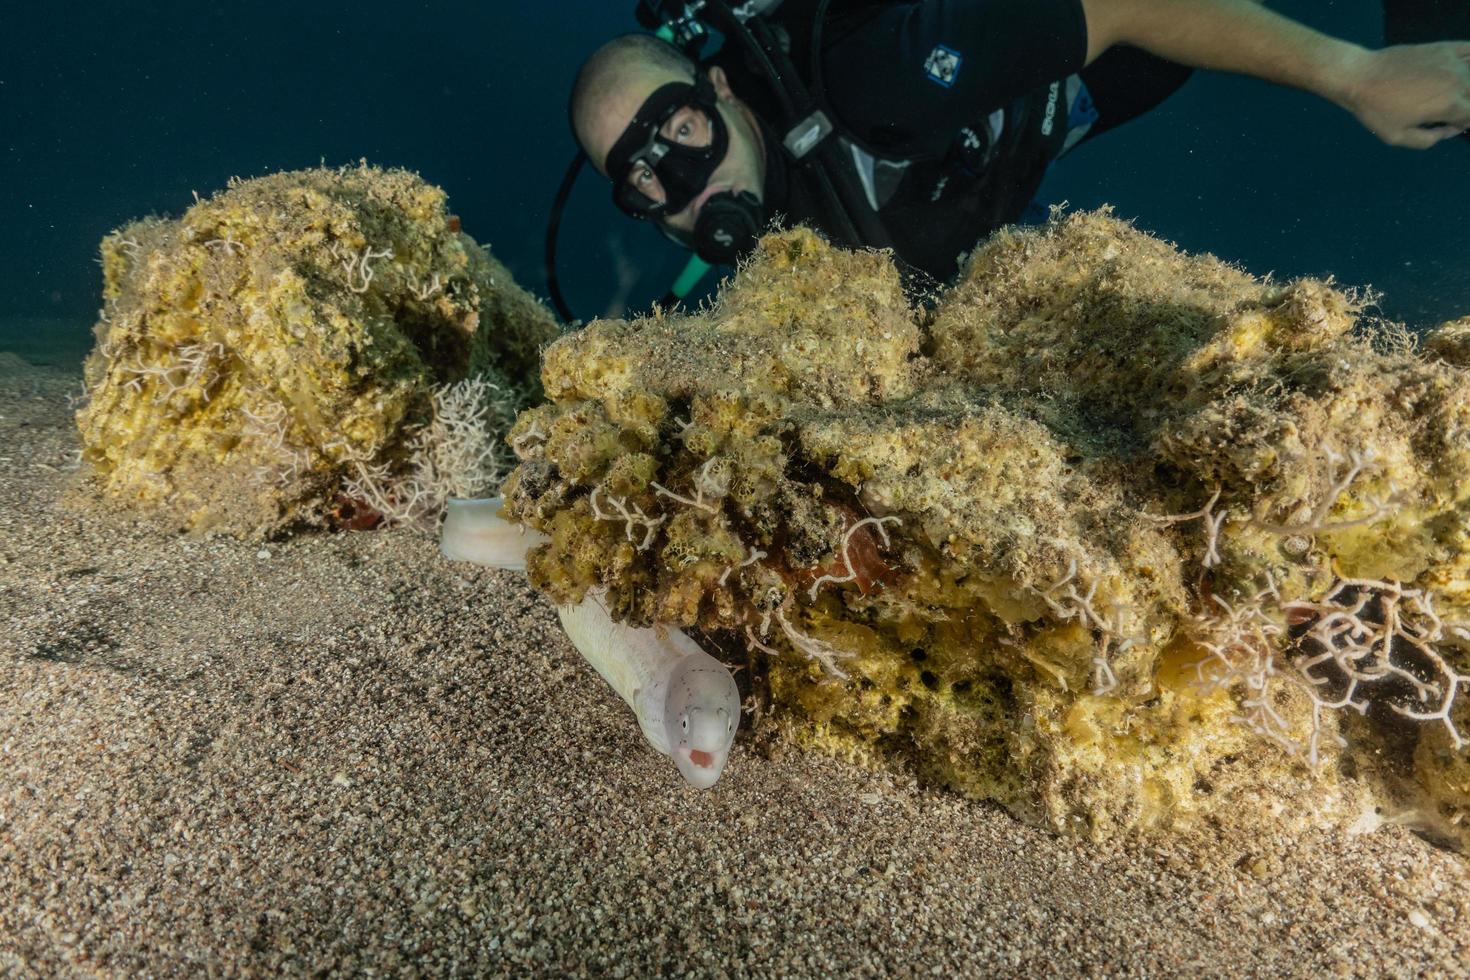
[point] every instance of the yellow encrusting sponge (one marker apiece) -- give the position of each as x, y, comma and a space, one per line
1114, 535
280, 353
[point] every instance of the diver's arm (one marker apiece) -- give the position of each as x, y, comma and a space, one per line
1394, 92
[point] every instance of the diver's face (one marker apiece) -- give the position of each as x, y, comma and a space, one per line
743, 166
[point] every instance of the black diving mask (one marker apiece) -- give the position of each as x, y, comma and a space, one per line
678, 137
682, 160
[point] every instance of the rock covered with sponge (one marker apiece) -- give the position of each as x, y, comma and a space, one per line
280, 352
1119, 537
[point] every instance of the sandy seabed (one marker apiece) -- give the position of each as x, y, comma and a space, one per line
340, 754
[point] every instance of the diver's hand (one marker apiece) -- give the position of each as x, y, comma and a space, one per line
1412, 95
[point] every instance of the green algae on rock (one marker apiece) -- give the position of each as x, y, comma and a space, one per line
278, 353
1119, 537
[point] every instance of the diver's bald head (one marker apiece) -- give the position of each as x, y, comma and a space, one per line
614, 82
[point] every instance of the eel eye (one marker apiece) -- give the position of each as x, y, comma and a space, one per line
684, 722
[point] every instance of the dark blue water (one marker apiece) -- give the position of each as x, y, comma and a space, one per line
113, 111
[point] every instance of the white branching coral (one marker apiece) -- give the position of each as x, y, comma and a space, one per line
269, 427
1213, 523
710, 482
1113, 634
227, 242
1244, 643
523, 445
1368, 642
169, 371
1370, 635
846, 555
1355, 464
457, 454
696, 501
355, 265
821, 651
426, 291
754, 555
633, 518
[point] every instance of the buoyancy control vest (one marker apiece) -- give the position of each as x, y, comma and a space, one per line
937, 194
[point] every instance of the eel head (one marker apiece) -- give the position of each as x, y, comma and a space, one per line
701, 714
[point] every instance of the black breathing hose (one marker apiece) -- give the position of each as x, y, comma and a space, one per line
846, 202
553, 286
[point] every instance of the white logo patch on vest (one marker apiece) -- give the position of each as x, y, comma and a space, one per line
943, 65
1051, 108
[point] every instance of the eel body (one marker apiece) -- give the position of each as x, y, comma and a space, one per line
686, 701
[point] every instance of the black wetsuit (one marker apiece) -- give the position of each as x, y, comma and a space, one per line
951, 110
1418, 21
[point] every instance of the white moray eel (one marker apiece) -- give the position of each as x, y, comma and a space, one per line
686, 700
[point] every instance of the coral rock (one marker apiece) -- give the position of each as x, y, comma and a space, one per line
1111, 535
279, 334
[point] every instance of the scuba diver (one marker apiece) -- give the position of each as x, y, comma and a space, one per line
924, 125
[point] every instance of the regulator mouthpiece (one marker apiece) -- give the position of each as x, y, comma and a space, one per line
728, 225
